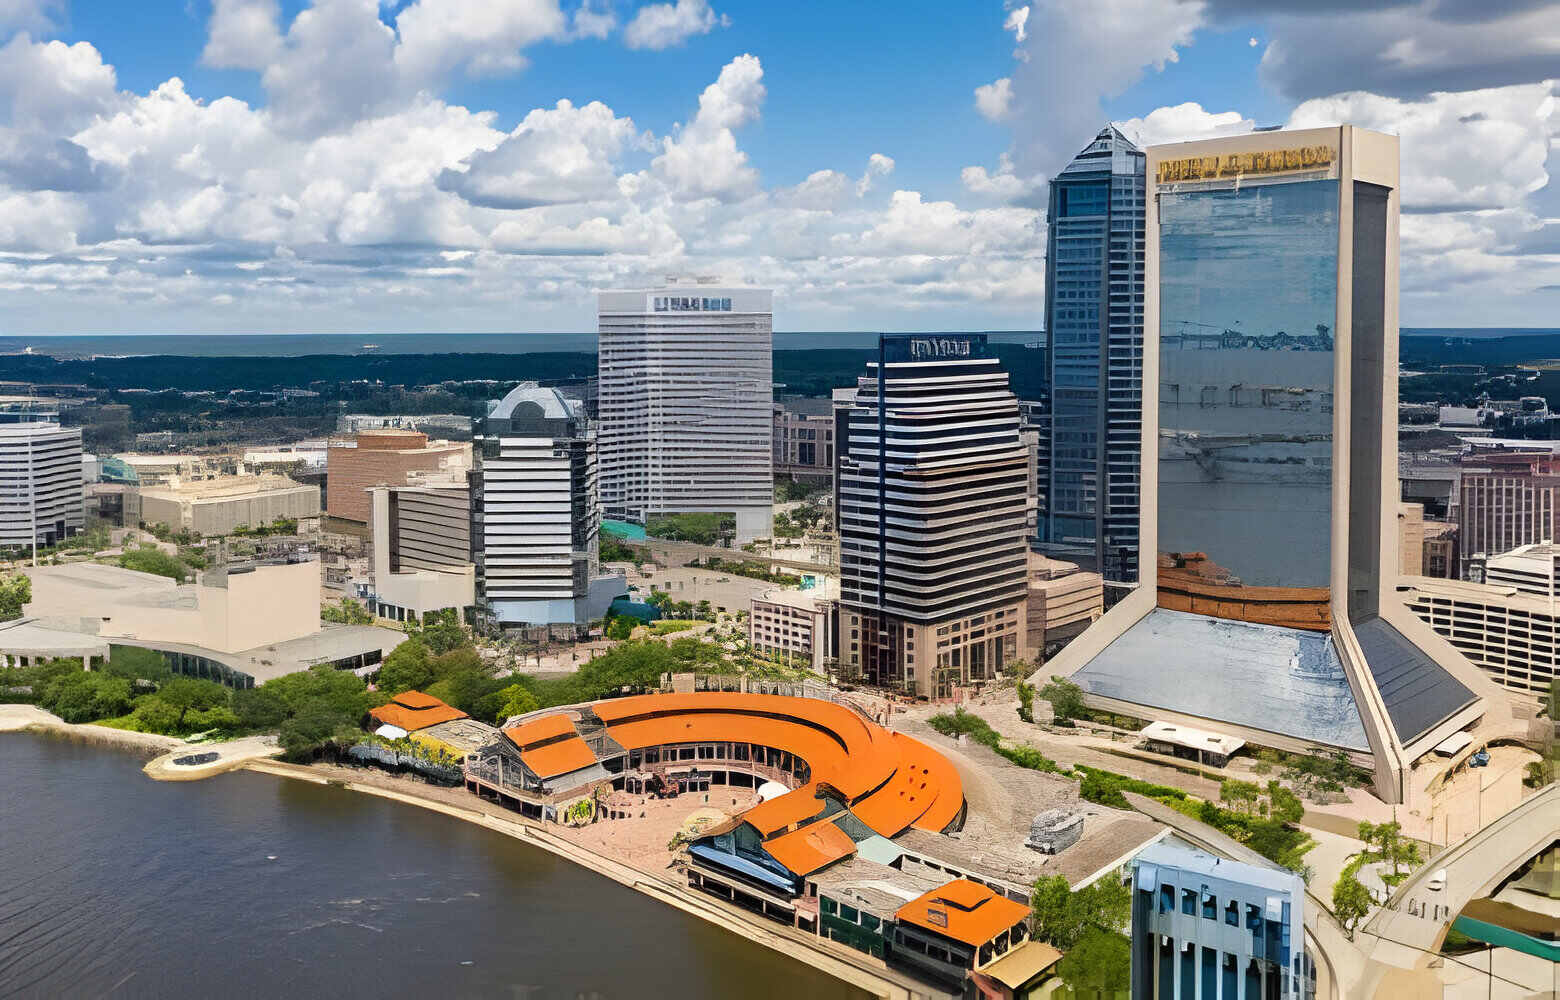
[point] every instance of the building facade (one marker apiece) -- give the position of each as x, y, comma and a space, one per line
536, 514
1210, 927
1063, 601
41, 500
386, 457
804, 437
930, 499
795, 626
1269, 612
422, 558
685, 399
210, 507
1094, 324
1505, 630
1507, 500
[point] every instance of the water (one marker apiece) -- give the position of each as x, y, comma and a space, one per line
248, 885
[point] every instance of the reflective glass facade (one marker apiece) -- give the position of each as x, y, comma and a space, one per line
1248, 296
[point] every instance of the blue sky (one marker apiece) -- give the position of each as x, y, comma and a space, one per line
880, 167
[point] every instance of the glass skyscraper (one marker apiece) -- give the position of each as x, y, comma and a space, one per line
1094, 324
1269, 611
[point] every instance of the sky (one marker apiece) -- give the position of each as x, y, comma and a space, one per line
256, 166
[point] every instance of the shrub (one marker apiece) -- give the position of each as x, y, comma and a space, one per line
155, 561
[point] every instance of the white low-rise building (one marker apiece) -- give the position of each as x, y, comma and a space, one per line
796, 626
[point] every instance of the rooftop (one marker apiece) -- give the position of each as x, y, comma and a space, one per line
964, 911
1195, 739
413, 710
1187, 859
223, 487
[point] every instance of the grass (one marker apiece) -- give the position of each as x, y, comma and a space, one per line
671, 626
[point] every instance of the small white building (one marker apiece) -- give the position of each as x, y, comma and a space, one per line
795, 625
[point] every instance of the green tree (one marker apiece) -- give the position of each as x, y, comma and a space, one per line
621, 627
516, 700
136, 664
348, 612
1099, 965
1284, 806
406, 668
187, 693
1065, 698
321, 688
154, 715
258, 708
440, 631
316, 729
15, 592
86, 697
1241, 795
1351, 901
1026, 701
155, 561
1062, 916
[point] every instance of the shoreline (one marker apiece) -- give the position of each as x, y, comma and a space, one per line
786, 941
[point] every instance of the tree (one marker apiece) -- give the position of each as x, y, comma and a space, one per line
1026, 701
1241, 794
1351, 901
15, 593
154, 715
258, 708
136, 664
406, 668
441, 631
516, 700
155, 561
1062, 916
186, 693
1284, 806
81, 696
1065, 698
1100, 964
317, 728
621, 627
321, 687
348, 612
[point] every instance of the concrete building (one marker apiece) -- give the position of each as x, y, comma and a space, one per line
40, 466
1507, 500
117, 503
1063, 601
1034, 424
284, 460
796, 626
1204, 926
930, 499
210, 507
686, 403
1270, 612
422, 558
1094, 324
156, 470
240, 624
1506, 629
382, 458
804, 437
536, 513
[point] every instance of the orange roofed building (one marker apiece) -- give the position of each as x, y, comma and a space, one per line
413, 710
956, 927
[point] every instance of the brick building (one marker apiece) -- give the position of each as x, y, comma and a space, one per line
1507, 500
382, 458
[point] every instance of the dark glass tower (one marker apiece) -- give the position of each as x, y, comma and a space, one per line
1094, 324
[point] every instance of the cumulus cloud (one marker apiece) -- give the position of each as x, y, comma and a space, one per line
28, 15
701, 159
553, 156
994, 100
1018, 23
1004, 184
878, 165
243, 34
664, 25
1183, 123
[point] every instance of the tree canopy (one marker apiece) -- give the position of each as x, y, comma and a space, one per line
1063, 916
15, 593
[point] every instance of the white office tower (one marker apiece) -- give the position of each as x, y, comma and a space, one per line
685, 404
40, 480
535, 514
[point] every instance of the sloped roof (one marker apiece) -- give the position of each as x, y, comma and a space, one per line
812, 847
413, 710
1419, 693
964, 911
538, 730
553, 759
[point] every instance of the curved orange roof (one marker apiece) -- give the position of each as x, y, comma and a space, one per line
413, 710
891, 781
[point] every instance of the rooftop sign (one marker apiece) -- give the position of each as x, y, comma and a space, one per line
1232, 165
950, 347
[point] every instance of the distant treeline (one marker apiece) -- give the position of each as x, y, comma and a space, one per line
1456, 347
805, 373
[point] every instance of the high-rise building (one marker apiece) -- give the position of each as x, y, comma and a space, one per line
1507, 500
1270, 612
535, 510
1094, 331
930, 494
1204, 926
685, 401
41, 498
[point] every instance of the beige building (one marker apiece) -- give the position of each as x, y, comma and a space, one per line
971, 648
217, 506
1512, 634
795, 625
155, 470
422, 549
1063, 601
239, 624
383, 458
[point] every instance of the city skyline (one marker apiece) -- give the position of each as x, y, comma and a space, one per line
251, 166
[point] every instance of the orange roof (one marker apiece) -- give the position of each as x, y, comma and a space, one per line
559, 758
812, 847
784, 811
536, 730
413, 710
964, 911
890, 781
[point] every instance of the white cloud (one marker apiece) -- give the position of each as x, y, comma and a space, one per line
243, 34
592, 23
483, 36
878, 165
52, 85
1252, 41
1183, 123
701, 160
555, 155
1018, 23
665, 25
994, 100
1004, 184
28, 15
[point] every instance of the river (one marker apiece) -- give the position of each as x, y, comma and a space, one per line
248, 885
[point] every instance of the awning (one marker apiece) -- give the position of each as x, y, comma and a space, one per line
1453, 743
390, 732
